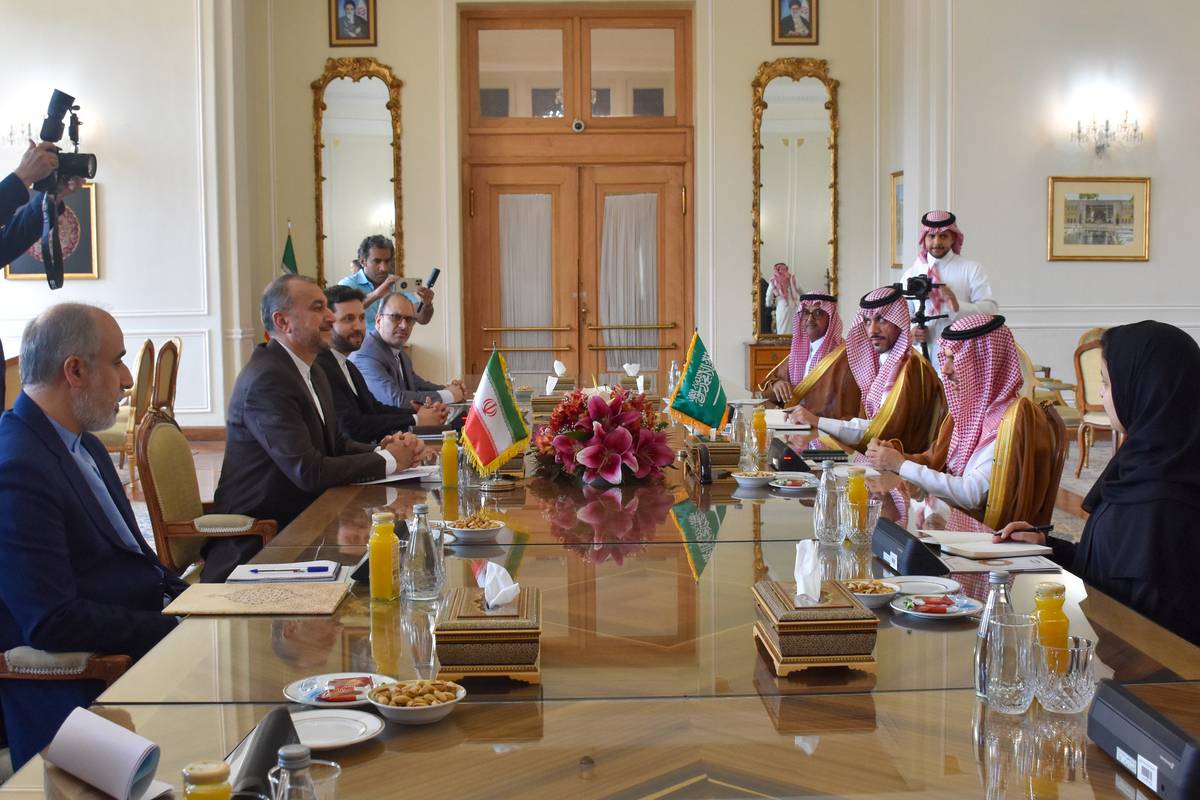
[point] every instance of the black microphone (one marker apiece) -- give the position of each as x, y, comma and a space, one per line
433, 276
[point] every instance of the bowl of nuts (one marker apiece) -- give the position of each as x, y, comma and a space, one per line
872, 593
753, 480
418, 702
475, 529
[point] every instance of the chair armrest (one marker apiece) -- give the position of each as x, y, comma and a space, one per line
28, 663
209, 507
265, 529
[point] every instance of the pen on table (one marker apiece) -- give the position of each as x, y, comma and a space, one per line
256, 570
1035, 529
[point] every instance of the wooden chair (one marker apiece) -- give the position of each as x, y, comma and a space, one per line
12, 381
181, 522
1093, 417
166, 374
31, 664
119, 437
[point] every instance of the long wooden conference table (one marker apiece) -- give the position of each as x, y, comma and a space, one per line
652, 684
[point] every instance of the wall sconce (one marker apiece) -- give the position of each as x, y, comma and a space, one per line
1100, 137
18, 135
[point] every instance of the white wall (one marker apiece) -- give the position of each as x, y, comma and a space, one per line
1020, 74
138, 75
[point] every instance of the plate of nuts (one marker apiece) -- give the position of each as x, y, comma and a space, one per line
475, 529
417, 702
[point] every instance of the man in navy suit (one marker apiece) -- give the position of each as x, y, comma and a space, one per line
75, 572
386, 366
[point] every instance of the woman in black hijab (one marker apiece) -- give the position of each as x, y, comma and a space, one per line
1141, 543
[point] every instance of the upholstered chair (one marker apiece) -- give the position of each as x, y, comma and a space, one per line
1093, 417
119, 437
12, 381
166, 376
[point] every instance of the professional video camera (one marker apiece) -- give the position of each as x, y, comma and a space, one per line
918, 288
70, 165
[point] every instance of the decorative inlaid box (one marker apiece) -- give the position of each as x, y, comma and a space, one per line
475, 641
836, 631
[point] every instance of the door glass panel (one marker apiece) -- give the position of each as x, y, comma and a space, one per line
527, 282
629, 280
518, 62
637, 66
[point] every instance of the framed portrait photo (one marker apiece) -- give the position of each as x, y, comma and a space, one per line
352, 23
1098, 219
897, 238
77, 232
793, 21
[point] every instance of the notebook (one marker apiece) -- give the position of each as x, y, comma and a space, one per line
296, 571
979, 544
777, 421
1014, 565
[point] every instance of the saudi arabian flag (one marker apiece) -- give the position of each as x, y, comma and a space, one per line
495, 430
699, 530
699, 400
289, 254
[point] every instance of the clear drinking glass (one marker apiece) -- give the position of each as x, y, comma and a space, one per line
324, 776
1012, 671
418, 622
1066, 676
853, 523
1008, 755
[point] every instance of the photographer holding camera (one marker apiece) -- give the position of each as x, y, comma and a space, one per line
376, 279
20, 210
963, 289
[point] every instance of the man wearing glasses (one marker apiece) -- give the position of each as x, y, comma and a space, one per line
386, 366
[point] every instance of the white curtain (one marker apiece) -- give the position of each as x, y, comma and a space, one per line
526, 279
629, 278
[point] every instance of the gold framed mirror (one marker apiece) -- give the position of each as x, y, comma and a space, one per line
356, 132
795, 206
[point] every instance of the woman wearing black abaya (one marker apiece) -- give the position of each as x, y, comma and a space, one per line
1141, 543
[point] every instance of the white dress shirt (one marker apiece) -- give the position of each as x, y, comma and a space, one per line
968, 491
851, 431
341, 360
813, 347
970, 285
305, 371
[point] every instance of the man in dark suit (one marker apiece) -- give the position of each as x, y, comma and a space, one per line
798, 22
386, 366
75, 572
283, 446
359, 414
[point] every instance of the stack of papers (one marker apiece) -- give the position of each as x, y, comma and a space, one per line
978, 544
410, 474
777, 421
302, 571
1014, 565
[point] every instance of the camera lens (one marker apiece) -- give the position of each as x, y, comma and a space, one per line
77, 165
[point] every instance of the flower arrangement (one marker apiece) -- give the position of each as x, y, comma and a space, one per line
603, 524
598, 438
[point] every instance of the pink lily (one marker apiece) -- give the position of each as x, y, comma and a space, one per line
606, 453
565, 450
607, 517
608, 413
652, 453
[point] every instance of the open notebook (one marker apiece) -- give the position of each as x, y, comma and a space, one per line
978, 544
777, 421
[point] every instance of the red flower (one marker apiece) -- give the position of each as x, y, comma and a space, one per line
651, 453
606, 515
606, 453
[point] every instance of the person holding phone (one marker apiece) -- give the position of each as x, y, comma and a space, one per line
376, 278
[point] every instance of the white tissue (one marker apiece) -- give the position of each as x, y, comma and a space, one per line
632, 369
560, 368
641, 382
498, 586
551, 381
808, 572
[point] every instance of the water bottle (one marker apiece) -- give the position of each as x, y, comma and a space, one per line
295, 781
672, 377
825, 511
424, 568
998, 602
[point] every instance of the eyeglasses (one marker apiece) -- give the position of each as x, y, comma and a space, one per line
396, 319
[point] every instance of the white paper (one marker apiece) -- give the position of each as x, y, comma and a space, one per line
498, 586
631, 369
991, 550
412, 473
777, 420
808, 571
551, 382
1014, 565
291, 572
113, 759
560, 369
641, 384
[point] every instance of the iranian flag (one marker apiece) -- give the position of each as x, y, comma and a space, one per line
495, 430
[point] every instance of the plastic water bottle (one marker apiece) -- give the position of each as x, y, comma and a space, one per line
424, 567
672, 377
295, 780
825, 512
998, 602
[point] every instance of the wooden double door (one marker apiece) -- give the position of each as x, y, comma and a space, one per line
587, 265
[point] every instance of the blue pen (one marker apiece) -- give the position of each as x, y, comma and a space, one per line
291, 569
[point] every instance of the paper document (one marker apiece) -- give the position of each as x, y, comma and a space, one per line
978, 544
777, 421
287, 572
410, 474
1016, 564
111, 758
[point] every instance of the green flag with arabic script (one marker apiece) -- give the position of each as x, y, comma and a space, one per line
698, 399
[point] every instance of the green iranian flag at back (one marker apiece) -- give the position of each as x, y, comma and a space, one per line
495, 430
699, 400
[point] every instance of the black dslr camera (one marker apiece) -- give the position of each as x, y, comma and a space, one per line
918, 288
70, 165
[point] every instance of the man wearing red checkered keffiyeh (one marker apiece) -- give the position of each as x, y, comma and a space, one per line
816, 373
902, 397
981, 369
966, 290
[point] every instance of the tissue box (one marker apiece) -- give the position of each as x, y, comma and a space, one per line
475, 641
836, 631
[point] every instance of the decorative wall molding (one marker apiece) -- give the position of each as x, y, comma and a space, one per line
194, 350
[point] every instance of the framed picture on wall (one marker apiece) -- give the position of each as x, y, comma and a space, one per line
352, 23
77, 232
793, 21
897, 238
1098, 219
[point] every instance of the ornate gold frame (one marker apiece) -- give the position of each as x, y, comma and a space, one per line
794, 68
356, 69
1143, 253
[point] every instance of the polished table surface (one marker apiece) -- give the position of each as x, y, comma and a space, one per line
651, 682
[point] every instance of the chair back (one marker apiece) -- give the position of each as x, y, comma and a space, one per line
1087, 377
1027, 374
12, 381
170, 486
166, 373
143, 382
1091, 335
1056, 464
